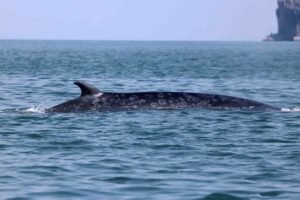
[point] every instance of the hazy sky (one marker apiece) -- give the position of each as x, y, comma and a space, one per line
137, 19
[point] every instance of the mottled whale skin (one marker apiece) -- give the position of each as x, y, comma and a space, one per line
92, 99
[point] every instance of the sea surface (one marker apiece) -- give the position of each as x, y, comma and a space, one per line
195, 154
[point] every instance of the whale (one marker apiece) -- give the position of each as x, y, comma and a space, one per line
92, 99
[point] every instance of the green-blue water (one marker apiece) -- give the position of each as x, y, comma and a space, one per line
148, 154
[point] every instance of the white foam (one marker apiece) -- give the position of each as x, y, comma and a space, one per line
35, 109
296, 109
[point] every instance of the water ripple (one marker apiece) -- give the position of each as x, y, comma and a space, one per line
152, 154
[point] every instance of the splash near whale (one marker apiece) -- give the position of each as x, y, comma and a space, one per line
92, 99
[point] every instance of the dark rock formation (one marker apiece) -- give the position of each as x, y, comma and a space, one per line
288, 17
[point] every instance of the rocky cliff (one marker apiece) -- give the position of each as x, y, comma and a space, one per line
288, 17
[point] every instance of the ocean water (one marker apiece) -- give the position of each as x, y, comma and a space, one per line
149, 154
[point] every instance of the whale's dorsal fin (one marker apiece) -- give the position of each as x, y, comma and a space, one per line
86, 89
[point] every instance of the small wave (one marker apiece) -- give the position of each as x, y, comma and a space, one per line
297, 109
35, 109
223, 196
32, 109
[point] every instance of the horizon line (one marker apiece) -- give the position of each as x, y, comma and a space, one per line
125, 40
